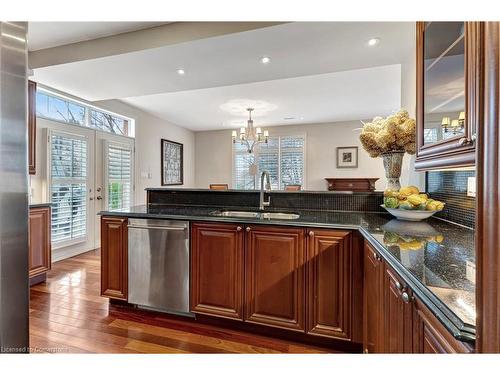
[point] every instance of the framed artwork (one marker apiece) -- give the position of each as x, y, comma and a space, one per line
172, 163
347, 157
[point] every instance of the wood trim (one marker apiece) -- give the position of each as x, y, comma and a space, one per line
114, 257
488, 196
32, 127
450, 153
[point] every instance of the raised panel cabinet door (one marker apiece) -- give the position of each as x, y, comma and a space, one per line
430, 336
397, 315
329, 286
373, 300
275, 277
31, 127
114, 257
39, 241
217, 270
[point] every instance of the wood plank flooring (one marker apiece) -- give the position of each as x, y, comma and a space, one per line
67, 315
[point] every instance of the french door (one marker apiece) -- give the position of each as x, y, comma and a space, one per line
88, 171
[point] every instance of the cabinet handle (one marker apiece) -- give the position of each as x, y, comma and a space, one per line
366, 351
311, 233
238, 229
248, 229
406, 297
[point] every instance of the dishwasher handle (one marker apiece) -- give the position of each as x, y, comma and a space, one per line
181, 229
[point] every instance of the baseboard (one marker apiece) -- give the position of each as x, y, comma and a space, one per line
67, 252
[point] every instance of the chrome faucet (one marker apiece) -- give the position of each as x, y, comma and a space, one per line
262, 202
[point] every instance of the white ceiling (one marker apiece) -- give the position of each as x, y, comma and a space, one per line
51, 34
331, 97
321, 71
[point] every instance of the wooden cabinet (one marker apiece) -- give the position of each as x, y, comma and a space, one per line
31, 127
329, 283
114, 257
39, 241
373, 302
397, 314
275, 277
217, 270
449, 88
429, 335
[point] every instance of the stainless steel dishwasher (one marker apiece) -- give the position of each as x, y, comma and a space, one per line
158, 265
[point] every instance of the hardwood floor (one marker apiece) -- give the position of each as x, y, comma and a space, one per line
67, 315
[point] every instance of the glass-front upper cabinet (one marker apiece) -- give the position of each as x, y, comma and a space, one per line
448, 84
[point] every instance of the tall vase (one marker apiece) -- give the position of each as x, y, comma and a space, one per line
392, 165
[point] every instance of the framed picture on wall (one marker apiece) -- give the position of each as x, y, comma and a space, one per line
172, 163
347, 157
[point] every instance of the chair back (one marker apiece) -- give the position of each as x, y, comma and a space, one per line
219, 186
293, 187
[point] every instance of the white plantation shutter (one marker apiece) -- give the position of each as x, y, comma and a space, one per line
282, 157
68, 189
118, 176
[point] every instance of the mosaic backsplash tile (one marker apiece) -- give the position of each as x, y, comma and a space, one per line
451, 188
322, 201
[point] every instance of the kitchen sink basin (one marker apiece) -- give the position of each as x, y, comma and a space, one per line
257, 215
279, 216
242, 214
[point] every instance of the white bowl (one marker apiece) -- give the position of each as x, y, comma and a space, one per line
410, 215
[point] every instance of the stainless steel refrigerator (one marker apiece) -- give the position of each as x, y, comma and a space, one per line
14, 290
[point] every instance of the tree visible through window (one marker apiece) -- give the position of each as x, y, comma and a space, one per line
60, 109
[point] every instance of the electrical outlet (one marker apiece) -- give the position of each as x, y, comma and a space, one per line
470, 271
471, 186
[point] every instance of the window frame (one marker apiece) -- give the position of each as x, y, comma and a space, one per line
256, 153
50, 133
88, 107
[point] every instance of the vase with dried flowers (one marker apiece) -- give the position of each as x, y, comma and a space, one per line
390, 138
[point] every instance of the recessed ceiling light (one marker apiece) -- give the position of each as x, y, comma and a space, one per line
265, 60
181, 72
373, 42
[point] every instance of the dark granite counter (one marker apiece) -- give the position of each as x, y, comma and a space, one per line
435, 258
38, 205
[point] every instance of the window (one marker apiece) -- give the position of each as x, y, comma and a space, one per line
60, 109
119, 176
108, 123
55, 108
282, 157
68, 189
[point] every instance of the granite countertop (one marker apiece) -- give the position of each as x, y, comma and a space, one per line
435, 258
37, 205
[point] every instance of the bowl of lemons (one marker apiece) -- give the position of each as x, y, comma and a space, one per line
409, 204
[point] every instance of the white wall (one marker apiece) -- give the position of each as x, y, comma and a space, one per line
149, 130
214, 154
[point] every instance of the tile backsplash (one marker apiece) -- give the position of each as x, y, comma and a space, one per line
451, 188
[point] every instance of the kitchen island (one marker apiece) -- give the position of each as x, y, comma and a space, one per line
432, 263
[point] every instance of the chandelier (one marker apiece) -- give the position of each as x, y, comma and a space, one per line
250, 136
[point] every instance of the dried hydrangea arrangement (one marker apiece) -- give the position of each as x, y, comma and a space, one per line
394, 133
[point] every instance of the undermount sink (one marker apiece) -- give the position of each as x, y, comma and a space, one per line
243, 214
257, 215
279, 216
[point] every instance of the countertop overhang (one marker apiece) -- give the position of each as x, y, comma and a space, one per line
457, 246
